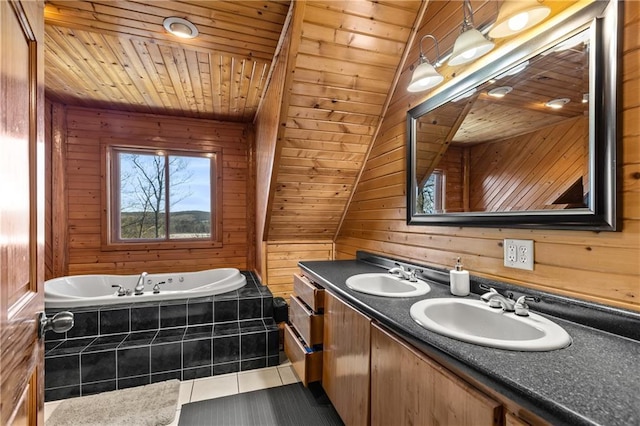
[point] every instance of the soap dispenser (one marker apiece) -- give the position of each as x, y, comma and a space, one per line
459, 280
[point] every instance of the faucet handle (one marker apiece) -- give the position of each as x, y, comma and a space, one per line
487, 296
156, 287
413, 277
521, 307
121, 290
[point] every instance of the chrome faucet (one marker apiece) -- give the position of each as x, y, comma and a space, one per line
139, 289
402, 273
496, 300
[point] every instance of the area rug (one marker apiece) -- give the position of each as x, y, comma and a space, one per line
150, 405
289, 405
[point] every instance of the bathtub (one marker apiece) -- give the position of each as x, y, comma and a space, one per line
96, 290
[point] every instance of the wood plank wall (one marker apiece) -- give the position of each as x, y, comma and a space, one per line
266, 132
549, 160
85, 129
282, 258
597, 266
48, 237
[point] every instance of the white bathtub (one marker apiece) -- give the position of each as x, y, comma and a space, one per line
95, 290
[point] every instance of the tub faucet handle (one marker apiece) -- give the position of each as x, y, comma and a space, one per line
156, 287
121, 290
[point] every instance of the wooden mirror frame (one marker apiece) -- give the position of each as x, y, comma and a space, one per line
603, 20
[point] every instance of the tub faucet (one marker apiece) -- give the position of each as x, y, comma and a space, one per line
139, 289
496, 300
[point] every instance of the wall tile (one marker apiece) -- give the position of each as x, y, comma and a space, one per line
166, 357
133, 361
98, 366
196, 353
62, 371
114, 321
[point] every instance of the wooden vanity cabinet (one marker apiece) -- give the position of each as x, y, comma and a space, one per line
346, 360
303, 336
408, 388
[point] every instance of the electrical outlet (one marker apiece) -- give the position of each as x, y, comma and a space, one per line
518, 254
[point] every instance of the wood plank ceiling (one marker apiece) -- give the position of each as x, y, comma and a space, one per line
117, 55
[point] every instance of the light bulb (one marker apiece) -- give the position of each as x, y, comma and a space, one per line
519, 21
470, 53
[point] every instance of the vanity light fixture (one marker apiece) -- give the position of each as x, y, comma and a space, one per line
557, 103
180, 27
518, 15
425, 75
585, 98
500, 92
470, 44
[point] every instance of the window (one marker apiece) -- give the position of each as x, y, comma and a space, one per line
431, 195
162, 196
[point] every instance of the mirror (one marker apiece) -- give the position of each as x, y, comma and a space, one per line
527, 141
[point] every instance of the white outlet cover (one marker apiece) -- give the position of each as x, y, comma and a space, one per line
518, 254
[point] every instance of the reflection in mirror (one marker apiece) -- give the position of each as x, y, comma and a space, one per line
527, 142
520, 154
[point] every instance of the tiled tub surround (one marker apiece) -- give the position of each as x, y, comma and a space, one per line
595, 381
120, 346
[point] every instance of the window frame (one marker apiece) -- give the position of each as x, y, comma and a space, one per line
111, 196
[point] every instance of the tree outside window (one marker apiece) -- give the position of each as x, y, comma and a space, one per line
430, 197
158, 191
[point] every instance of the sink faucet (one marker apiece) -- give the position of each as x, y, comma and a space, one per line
139, 289
496, 300
403, 273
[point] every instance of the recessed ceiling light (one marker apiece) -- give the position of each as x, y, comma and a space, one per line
557, 103
180, 27
499, 92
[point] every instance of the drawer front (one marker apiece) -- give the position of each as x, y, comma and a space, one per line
310, 294
306, 363
308, 324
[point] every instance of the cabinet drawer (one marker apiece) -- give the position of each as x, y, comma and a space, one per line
307, 324
310, 294
306, 362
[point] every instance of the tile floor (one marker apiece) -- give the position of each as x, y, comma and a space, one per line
223, 385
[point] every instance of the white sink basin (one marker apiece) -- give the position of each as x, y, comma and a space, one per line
474, 321
385, 284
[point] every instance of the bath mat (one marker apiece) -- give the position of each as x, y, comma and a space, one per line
150, 405
289, 405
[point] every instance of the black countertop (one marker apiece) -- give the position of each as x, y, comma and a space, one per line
596, 380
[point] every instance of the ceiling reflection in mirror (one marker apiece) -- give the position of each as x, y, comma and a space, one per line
521, 138
529, 139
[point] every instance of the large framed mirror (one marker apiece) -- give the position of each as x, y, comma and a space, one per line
527, 141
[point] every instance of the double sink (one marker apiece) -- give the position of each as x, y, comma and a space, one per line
472, 321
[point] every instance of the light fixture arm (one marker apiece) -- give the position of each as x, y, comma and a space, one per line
468, 16
423, 57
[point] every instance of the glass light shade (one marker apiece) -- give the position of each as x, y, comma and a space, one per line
518, 15
469, 45
424, 77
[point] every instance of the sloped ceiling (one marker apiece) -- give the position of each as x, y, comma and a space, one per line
346, 61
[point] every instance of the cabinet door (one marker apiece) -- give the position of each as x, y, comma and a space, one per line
407, 388
345, 373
